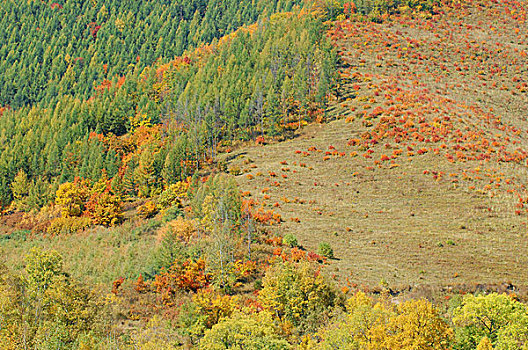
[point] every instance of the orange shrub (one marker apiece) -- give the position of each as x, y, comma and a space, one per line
140, 286
187, 276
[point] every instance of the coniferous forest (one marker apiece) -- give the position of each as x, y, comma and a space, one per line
191, 102
207, 174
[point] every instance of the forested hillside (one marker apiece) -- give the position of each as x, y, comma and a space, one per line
140, 128
250, 174
52, 49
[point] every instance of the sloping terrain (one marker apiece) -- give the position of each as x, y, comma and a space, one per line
422, 177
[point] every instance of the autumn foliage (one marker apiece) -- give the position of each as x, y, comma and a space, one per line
186, 276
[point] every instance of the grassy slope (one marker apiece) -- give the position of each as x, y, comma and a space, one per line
395, 223
98, 256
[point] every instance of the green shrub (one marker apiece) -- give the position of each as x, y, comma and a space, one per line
19, 235
289, 239
170, 214
169, 250
147, 227
326, 250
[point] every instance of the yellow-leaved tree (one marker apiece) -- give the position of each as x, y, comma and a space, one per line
485, 344
173, 195
417, 324
44, 308
11, 316
413, 324
71, 197
105, 209
20, 188
298, 294
80, 198
244, 331
498, 317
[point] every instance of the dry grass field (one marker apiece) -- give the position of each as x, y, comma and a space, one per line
420, 177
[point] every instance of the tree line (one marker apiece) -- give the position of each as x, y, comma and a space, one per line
155, 126
56, 48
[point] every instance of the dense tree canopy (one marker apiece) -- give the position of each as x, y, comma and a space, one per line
152, 127
52, 49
